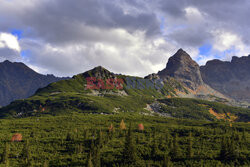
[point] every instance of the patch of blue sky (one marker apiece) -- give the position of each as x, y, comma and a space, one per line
17, 33
25, 53
205, 49
162, 26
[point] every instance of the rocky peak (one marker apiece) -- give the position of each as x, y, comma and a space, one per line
99, 72
183, 68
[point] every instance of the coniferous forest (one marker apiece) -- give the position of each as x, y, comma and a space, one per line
122, 140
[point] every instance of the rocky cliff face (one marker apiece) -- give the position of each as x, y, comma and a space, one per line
17, 81
181, 67
230, 78
183, 70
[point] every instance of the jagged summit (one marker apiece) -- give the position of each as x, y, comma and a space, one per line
182, 67
98, 72
181, 53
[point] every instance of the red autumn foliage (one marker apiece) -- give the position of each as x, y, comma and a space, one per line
111, 128
140, 127
17, 137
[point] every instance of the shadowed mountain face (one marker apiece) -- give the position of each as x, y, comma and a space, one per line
17, 81
181, 67
230, 78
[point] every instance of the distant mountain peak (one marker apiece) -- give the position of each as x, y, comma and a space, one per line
7, 61
18, 81
182, 67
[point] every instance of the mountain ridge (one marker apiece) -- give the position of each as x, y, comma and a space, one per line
231, 78
18, 81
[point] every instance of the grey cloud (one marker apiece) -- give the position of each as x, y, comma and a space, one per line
9, 54
229, 15
191, 36
64, 21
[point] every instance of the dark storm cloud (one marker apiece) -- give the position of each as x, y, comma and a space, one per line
65, 21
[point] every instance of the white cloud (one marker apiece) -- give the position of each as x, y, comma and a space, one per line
229, 43
10, 41
193, 14
131, 54
9, 47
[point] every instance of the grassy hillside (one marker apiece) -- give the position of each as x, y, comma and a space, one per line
72, 95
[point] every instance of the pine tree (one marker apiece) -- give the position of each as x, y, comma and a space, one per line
129, 153
228, 149
175, 152
5, 155
92, 146
45, 164
223, 151
167, 161
89, 161
79, 149
167, 137
154, 150
97, 157
244, 135
190, 146
86, 134
32, 134
69, 137
26, 153
99, 139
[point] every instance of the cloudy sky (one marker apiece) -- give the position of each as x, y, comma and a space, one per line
136, 37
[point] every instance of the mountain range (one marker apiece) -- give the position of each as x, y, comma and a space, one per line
181, 79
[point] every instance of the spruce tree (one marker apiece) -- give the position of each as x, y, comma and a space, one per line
5, 155
97, 157
129, 152
175, 152
99, 139
223, 150
228, 149
45, 164
89, 161
167, 161
190, 146
154, 150
26, 153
